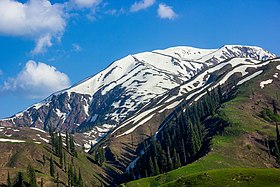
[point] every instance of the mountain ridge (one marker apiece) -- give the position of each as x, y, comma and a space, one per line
110, 97
137, 98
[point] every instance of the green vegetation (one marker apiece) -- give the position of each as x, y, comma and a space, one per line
219, 177
27, 164
242, 151
230, 177
180, 142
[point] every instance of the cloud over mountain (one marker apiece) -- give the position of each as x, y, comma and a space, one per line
36, 80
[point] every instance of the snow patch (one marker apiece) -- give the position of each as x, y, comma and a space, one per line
11, 140
37, 129
136, 126
250, 77
45, 140
263, 83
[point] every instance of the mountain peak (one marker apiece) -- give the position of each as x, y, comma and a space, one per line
127, 86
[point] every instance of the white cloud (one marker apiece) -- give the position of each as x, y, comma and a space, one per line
36, 80
166, 12
84, 3
76, 47
42, 43
141, 5
36, 19
115, 12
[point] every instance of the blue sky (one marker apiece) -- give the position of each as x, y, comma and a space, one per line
49, 45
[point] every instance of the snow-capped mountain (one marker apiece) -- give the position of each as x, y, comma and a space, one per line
136, 85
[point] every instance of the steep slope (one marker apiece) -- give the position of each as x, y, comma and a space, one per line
25, 146
127, 86
134, 99
125, 141
246, 143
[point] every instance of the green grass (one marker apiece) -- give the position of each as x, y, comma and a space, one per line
217, 177
230, 177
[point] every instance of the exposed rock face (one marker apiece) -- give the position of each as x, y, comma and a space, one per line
127, 86
62, 111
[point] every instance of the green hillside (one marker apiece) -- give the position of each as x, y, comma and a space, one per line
15, 158
246, 143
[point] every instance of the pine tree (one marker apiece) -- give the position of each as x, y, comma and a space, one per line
67, 141
163, 161
169, 164
51, 167
51, 133
57, 180
42, 182
61, 159
277, 133
81, 183
197, 137
44, 159
9, 183
277, 152
71, 178
69, 174
19, 181
75, 177
72, 146
64, 158
60, 149
274, 107
151, 166
184, 159
32, 176
157, 171
176, 160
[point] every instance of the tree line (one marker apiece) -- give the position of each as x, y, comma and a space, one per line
180, 140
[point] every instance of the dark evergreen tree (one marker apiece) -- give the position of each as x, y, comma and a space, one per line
19, 180
151, 167
67, 141
277, 133
42, 182
64, 160
69, 174
44, 159
57, 179
52, 167
32, 176
60, 150
277, 152
71, 177
75, 177
176, 160
220, 93
81, 183
156, 168
9, 183
72, 146
274, 107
